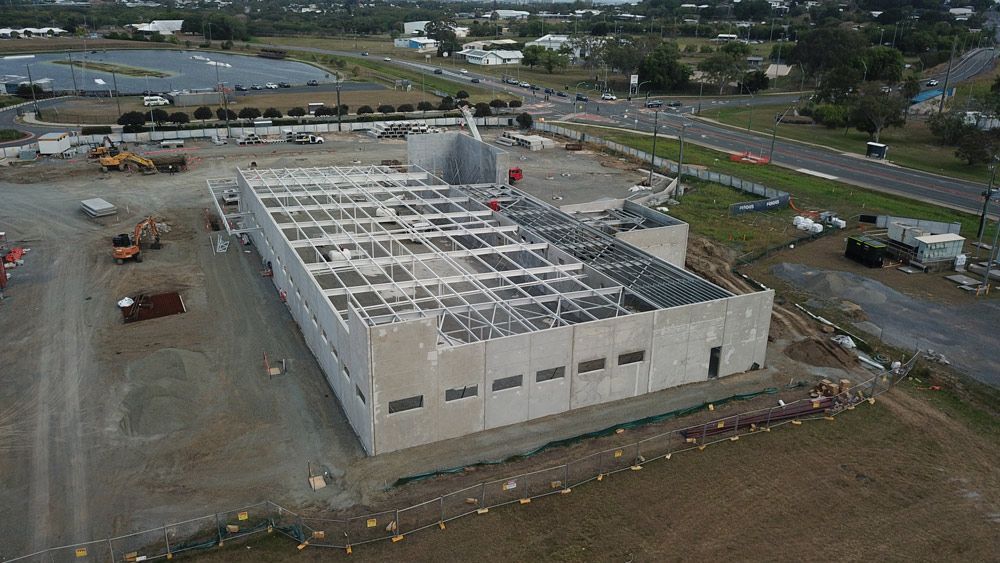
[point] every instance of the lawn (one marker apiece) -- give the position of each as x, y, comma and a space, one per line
808, 192
912, 146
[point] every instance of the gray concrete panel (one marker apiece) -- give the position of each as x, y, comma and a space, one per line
507, 357
550, 349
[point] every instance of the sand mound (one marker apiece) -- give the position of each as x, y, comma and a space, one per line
821, 354
164, 392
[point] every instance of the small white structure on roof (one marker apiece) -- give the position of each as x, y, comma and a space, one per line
491, 58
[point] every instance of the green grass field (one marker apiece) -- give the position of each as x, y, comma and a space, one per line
808, 192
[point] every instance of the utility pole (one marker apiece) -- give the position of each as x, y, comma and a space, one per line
652, 161
988, 194
947, 75
680, 161
31, 84
993, 256
338, 103
73, 73
114, 80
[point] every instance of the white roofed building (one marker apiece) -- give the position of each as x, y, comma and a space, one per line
491, 58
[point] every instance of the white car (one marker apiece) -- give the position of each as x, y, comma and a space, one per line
271, 86
463, 71
524, 85
608, 96
932, 82
387, 59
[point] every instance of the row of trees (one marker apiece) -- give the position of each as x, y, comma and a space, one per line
870, 110
135, 119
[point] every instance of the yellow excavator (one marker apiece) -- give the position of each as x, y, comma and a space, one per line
124, 246
125, 159
107, 148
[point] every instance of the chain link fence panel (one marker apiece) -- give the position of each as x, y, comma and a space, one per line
462, 502
371, 527
149, 544
245, 521
191, 535
584, 469
324, 532
89, 552
420, 516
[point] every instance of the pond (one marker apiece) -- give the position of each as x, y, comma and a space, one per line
155, 70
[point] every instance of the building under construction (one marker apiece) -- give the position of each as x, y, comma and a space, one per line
440, 309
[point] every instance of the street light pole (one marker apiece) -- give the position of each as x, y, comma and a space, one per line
31, 84
680, 161
986, 203
338, 104
993, 255
652, 161
114, 80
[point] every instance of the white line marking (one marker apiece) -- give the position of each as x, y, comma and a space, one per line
814, 173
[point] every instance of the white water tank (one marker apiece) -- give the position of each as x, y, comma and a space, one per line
816, 228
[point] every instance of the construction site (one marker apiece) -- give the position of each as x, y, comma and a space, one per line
313, 324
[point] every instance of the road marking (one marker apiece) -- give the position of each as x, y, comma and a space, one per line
817, 174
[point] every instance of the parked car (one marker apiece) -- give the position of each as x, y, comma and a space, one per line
438, 71
674, 104
512, 81
885, 89
560, 93
312, 83
463, 71
932, 82
364, 53
240, 88
533, 87
271, 86
475, 81
524, 84
256, 87
609, 97
582, 98
284, 85
386, 59
654, 104
549, 91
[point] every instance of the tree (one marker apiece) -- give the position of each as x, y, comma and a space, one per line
755, 81
875, 111
404, 108
158, 116
498, 104
323, 110
722, 67
483, 110
532, 55
949, 128
132, 119
551, 60
443, 31
838, 84
365, 109
272, 113
249, 113
425, 106
386, 108
25, 91
514, 103
462, 94
975, 146
663, 69
911, 87
225, 114
824, 48
447, 103
524, 120
296, 112
178, 118
883, 63
203, 113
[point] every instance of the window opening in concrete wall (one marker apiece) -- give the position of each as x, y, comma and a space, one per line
360, 394
347, 373
631, 357
713, 362
507, 382
590, 365
461, 392
406, 404
550, 374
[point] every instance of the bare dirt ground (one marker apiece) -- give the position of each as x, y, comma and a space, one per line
108, 428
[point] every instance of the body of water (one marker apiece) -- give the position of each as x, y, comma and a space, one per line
184, 69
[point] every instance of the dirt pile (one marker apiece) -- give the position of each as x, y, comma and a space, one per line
821, 353
165, 392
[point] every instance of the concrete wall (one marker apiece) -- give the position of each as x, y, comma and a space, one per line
458, 158
341, 348
668, 243
677, 345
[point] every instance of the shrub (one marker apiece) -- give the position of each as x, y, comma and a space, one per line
296, 112
323, 110
425, 106
365, 109
447, 103
178, 117
498, 104
386, 108
405, 108
483, 110
225, 114
462, 94
514, 103
249, 113
524, 120
203, 113
272, 113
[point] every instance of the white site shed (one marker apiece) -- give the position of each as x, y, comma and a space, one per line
934, 248
54, 143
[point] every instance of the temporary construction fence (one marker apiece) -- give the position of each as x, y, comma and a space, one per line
349, 529
666, 164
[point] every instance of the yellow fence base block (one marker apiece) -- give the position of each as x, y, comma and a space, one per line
441, 525
398, 538
850, 407
871, 400
636, 468
565, 491
667, 456
270, 529
711, 407
600, 476
830, 418
734, 438
525, 501
797, 422
302, 545
170, 556
81, 552
766, 429
619, 431
221, 543
348, 550
702, 447
482, 511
